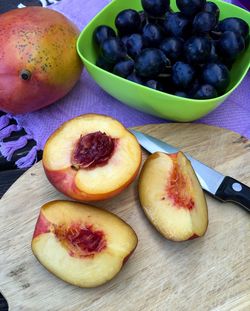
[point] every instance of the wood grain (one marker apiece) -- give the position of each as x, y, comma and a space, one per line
209, 273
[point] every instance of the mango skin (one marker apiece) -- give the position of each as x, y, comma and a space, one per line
43, 42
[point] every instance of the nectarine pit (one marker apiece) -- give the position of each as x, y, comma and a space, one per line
177, 188
93, 149
81, 240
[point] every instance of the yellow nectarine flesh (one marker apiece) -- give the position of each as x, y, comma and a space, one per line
91, 157
172, 198
81, 244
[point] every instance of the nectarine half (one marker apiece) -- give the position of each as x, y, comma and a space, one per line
91, 157
172, 198
81, 244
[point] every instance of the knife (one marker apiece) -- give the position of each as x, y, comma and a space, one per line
224, 188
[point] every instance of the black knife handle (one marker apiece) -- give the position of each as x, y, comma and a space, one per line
233, 190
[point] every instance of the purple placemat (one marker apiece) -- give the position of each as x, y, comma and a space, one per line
88, 97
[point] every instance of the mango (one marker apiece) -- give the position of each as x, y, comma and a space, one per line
39, 63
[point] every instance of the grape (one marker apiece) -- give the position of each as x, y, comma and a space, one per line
124, 68
182, 75
143, 18
104, 64
172, 48
211, 7
156, 8
187, 53
125, 39
193, 87
177, 25
102, 33
203, 22
234, 24
217, 75
197, 49
151, 35
190, 7
213, 57
231, 44
134, 78
205, 91
181, 94
113, 50
134, 45
128, 21
150, 63
154, 84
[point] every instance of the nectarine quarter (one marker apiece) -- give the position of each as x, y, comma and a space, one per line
91, 157
172, 198
83, 245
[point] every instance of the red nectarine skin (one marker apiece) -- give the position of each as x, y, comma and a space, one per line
127, 257
81, 240
194, 236
42, 226
93, 149
176, 188
64, 181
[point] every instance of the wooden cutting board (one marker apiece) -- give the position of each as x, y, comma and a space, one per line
209, 273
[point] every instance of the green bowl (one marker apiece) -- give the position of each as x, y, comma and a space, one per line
143, 98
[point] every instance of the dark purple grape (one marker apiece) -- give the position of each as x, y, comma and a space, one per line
134, 45
213, 8
181, 94
182, 75
204, 22
154, 84
193, 88
156, 8
197, 49
124, 68
228, 63
151, 35
143, 18
213, 57
102, 32
234, 24
177, 25
104, 64
205, 91
230, 45
217, 75
127, 22
150, 63
125, 39
172, 47
113, 50
135, 78
190, 7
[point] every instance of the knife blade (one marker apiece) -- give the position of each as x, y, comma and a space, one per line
224, 188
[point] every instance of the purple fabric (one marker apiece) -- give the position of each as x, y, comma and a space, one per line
88, 97
245, 4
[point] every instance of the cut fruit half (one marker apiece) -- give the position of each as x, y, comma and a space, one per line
91, 157
81, 244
